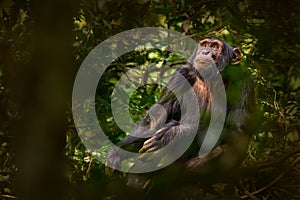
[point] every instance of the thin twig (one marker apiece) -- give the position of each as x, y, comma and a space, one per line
296, 160
218, 28
89, 168
8, 196
272, 163
251, 196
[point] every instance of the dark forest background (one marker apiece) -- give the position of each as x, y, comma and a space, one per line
43, 43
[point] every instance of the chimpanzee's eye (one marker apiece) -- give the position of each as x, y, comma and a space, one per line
215, 46
204, 43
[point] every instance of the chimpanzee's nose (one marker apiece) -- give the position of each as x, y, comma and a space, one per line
207, 53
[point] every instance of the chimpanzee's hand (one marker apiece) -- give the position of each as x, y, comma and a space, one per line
161, 138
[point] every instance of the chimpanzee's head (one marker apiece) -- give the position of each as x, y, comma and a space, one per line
215, 51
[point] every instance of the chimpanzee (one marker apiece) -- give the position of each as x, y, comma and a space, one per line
167, 124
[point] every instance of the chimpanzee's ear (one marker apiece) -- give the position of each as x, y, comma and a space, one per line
237, 56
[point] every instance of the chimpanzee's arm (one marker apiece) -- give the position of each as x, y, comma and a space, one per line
167, 108
162, 116
188, 119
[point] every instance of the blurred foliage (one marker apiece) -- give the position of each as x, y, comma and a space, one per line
266, 31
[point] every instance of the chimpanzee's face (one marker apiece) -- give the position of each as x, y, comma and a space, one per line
209, 52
